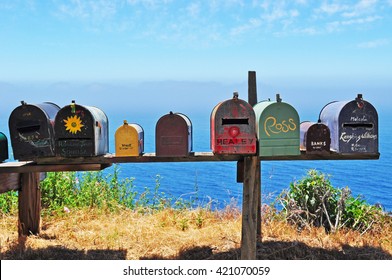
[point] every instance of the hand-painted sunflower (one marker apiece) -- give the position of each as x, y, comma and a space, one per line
73, 124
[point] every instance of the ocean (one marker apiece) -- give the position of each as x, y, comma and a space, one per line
215, 182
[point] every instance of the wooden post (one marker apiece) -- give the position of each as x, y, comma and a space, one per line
29, 200
250, 208
258, 189
252, 88
252, 99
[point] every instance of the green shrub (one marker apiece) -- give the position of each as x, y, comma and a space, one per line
313, 201
9, 202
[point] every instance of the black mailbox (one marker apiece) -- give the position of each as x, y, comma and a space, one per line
31, 130
315, 138
3, 147
353, 125
81, 131
173, 133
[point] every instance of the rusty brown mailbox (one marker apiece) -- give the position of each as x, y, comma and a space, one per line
233, 128
129, 140
315, 138
3, 147
31, 130
173, 135
81, 131
353, 125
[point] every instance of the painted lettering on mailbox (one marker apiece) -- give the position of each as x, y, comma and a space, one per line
234, 141
347, 138
272, 126
125, 147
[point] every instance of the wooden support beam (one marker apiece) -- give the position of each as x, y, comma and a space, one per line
258, 189
252, 88
249, 208
29, 203
240, 171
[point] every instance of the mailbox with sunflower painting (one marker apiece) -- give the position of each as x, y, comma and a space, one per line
81, 131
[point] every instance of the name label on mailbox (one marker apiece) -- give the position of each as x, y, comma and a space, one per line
271, 125
234, 141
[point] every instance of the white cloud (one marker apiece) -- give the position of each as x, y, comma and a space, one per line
331, 9
361, 20
362, 7
373, 44
91, 9
338, 24
250, 25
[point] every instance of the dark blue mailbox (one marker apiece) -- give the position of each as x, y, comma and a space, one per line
353, 125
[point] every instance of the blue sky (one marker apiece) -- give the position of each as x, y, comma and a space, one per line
103, 47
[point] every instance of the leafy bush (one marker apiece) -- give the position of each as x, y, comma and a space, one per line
313, 201
9, 202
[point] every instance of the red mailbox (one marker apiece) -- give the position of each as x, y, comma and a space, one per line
173, 135
233, 129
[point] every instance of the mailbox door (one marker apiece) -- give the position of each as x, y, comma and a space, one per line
358, 123
129, 140
31, 130
277, 129
74, 130
353, 126
173, 136
233, 128
3, 147
318, 139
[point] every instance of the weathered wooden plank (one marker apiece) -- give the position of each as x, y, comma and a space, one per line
9, 182
29, 203
54, 168
197, 157
331, 156
249, 209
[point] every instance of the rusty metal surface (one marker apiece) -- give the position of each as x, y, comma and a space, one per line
81, 131
173, 135
353, 125
31, 130
315, 137
233, 128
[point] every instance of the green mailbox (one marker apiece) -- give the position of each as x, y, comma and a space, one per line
277, 128
3, 147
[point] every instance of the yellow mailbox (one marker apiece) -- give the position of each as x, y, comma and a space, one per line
129, 140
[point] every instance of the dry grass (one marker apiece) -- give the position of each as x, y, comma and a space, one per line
171, 234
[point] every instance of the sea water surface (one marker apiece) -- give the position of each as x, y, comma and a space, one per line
215, 182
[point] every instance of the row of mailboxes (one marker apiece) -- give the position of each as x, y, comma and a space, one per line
46, 130
236, 126
270, 128
343, 127
3, 147
173, 137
